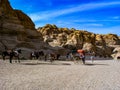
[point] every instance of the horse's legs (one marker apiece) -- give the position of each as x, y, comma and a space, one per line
15, 61
31, 57
4, 58
92, 58
83, 59
73, 58
18, 59
45, 57
36, 57
52, 59
11, 57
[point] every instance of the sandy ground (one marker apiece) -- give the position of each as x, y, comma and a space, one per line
60, 75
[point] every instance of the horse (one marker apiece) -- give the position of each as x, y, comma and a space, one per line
36, 54
47, 55
41, 54
52, 57
76, 56
82, 55
33, 55
11, 54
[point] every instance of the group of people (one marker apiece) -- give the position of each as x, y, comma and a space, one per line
80, 54
44, 55
53, 56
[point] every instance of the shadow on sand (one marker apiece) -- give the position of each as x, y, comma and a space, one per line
46, 63
93, 64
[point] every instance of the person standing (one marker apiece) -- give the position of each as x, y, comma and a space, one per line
11, 56
92, 56
82, 55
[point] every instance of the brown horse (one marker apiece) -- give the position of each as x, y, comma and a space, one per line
52, 57
11, 54
36, 54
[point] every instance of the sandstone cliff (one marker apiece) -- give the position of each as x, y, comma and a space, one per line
102, 45
17, 29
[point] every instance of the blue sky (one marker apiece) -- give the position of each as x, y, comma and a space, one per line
97, 16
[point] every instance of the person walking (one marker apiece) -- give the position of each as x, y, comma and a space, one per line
82, 55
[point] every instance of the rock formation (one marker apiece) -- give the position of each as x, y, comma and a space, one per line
102, 45
18, 31
116, 52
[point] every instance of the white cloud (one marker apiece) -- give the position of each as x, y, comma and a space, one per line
106, 30
97, 20
84, 7
93, 25
116, 17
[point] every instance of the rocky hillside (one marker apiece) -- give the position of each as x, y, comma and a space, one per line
17, 29
102, 45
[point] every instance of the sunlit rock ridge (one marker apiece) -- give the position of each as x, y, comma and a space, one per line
102, 45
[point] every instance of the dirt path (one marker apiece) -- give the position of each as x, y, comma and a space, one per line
60, 75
